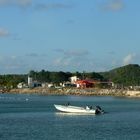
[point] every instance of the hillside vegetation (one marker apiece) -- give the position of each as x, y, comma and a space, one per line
128, 75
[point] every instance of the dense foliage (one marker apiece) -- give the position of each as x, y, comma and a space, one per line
128, 75
46, 76
10, 81
57, 77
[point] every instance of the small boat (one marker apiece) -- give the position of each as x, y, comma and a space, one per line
76, 109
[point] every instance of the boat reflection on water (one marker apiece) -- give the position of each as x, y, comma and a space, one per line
61, 114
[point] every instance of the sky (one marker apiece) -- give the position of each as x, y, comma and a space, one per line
68, 35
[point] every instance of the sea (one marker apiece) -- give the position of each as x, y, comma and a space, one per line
34, 117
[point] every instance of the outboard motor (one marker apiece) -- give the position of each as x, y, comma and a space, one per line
99, 110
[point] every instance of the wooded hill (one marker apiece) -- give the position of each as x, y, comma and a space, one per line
128, 75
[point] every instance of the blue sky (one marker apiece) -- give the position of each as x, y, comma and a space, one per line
68, 35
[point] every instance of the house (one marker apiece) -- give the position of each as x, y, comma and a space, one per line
22, 85
84, 84
73, 79
68, 84
50, 85
32, 83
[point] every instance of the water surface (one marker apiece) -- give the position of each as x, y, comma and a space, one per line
33, 117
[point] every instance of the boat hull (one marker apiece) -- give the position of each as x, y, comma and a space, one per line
74, 109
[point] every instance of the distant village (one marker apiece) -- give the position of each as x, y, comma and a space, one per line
124, 79
74, 82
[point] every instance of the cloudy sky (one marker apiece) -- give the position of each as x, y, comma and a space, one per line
68, 35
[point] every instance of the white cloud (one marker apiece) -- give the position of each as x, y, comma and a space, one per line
3, 32
36, 55
14, 57
14, 65
52, 6
77, 53
21, 3
1, 59
62, 62
74, 58
73, 53
21, 64
4, 2
128, 59
114, 5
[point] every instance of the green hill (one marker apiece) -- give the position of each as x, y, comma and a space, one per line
128, 75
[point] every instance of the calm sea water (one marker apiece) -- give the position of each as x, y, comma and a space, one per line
33, 117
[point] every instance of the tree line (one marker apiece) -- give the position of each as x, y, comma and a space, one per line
57, 77
45, 76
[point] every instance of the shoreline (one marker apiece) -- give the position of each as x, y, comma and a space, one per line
75, 91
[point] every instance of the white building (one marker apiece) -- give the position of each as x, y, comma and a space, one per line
21, 85
30, 82
50, 85
73, 79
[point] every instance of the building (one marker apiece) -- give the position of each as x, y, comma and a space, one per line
84, 84
22, 85
68, 84
73, 79
32, 83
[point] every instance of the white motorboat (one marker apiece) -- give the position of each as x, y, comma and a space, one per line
76, 109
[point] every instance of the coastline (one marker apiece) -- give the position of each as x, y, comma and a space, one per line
75, 91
